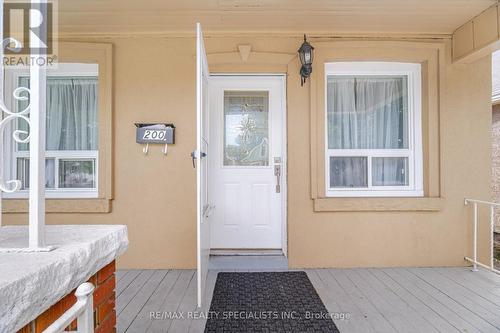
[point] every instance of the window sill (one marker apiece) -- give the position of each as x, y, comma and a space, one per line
60, 205
378, 204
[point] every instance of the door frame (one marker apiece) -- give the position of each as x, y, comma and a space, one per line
284, 159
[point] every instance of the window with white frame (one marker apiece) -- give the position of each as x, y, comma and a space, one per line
71, 157
373, 129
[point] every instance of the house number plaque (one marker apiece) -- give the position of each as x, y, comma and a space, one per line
155, 133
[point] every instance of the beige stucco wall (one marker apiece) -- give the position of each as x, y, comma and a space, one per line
154, 195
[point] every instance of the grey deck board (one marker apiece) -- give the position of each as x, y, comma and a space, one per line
440, 302
378, 321
173, 301
358, 319
132, 290
119, 274
493, 278
128, 314
378, 300
423, 310
336, 301
188, 305
392, 313
199, 324
453, 304
142, 320
390, 301
471, 301
477, 280
126, 281
466, 280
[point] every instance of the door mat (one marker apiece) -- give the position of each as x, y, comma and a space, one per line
267, 302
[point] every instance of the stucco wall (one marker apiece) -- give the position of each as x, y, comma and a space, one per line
154, 195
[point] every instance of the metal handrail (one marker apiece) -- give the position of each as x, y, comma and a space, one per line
82, 311
474, 260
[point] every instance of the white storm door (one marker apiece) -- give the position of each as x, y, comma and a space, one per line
247, 162
201, 154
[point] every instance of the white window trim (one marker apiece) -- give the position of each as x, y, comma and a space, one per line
414, 153
11, 83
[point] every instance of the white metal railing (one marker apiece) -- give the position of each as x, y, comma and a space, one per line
474, 259
36, 133
82, 311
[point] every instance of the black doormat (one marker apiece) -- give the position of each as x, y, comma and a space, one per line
267, 302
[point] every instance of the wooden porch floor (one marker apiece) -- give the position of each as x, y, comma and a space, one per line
378, 300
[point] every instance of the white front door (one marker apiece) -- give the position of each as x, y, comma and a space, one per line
200, 155
247, 162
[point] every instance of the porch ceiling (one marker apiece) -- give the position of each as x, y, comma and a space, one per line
277, 16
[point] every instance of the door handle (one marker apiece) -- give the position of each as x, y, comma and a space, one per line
194, 156
277, 173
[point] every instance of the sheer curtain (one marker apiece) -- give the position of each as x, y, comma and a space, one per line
71, 113
367, 112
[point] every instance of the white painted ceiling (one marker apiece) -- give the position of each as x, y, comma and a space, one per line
322, 16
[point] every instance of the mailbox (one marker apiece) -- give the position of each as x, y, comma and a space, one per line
155, 133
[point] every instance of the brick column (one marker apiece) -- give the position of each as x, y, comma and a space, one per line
104, 305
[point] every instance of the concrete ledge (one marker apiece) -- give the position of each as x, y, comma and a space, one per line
30, 283
378, 204
104, 305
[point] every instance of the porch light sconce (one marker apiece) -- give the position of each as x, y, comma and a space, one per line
306, 59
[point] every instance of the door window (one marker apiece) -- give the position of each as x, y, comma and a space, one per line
246, 128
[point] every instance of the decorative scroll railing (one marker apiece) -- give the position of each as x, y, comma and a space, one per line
8, 118
8, 121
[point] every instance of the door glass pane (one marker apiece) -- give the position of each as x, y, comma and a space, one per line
348, 172
390, 171
77, 173
246, 128
23, 172
367, 112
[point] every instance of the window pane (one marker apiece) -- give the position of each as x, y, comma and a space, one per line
23, 172
367, 112
390, 171
71, 113
246, 128
348, 172
77, 173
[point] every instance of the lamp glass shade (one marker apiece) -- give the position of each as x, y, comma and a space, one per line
306, 53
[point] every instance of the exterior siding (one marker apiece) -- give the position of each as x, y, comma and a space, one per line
154, 195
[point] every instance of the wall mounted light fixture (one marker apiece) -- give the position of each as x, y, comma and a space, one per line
306, 59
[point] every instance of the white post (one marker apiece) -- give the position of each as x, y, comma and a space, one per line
85, 321
474, 231
37, 144
82, 311
492, 237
